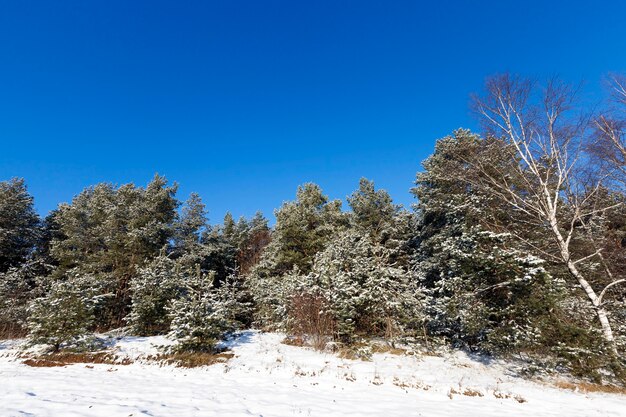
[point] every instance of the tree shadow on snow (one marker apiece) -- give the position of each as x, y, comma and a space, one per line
238, 339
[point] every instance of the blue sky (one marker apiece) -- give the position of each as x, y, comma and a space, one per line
241, 101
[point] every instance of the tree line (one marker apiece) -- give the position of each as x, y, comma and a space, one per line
515, 245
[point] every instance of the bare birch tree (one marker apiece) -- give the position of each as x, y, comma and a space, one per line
610, 129
546, 140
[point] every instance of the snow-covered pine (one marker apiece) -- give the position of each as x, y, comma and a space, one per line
153, 289
65, 314
203, 314
19, 223
483, 291
362, 290
18, 287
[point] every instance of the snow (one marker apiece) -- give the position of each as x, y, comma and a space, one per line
267, 378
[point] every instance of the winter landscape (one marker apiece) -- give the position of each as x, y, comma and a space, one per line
370, 208
269, 378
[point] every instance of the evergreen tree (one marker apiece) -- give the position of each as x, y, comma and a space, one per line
203, 314
219, 254
248, 238
373, 210
65, 315
18, 224
483, 291
109, 233
153, 289
188, 230
303, 228
18, 287
364, 292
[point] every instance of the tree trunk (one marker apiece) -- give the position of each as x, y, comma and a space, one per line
607, 331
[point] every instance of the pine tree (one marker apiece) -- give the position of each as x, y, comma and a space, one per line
19, 224
373, 210
153, 289
256, 237
364, 292
203, 314
65, 315
188, 230
483, 291
18, 287
303, 227
109, 233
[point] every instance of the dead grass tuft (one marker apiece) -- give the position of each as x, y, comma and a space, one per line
69, 358
293, 341
501, 395
389, 349
193, 359
410, 384
519, 399
472, 392
587, 387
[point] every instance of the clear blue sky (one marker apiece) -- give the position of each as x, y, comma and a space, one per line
241, 101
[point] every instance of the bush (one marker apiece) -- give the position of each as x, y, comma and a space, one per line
309, 316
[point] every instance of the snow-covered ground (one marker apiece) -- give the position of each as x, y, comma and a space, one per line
267, 378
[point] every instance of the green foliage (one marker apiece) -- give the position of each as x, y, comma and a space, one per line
18, 224
109, 233
303, 227
483, 291
65, 314
248, 238
372, 210
363, 291
203, 315
154, 288
188, 230
18, 287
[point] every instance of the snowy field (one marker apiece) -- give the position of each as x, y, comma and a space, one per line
267, 378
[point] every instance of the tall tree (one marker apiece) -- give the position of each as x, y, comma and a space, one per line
303, 227
610, 133
188, 231
19, 223
483, 291
109, 232
373, 210
545, 138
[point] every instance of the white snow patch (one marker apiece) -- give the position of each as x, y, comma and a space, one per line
267, 378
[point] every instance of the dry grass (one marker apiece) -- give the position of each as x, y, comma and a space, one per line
472, 392
410, 384
468, 392
507, 395
69, 358
502, 395
451, 392
587, 387
183, 359
351, 353
519, 398
345, 353
389, 349
293, 341
193, 359
11, 331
